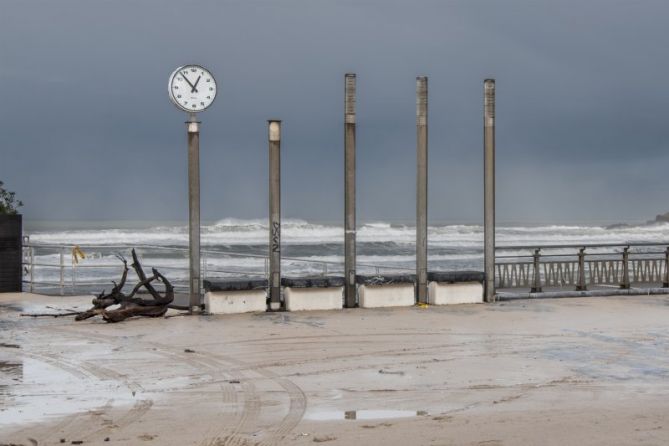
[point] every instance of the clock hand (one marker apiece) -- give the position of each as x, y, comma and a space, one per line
191, 85
194, 90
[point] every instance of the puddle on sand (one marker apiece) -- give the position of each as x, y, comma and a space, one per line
31, 390
330, 415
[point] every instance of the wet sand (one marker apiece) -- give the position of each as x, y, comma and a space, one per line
587, 371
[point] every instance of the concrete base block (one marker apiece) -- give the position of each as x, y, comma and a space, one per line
389, 295
455, 293
231, 302
300, 299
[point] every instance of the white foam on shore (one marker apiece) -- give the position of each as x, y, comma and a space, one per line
243, 232
380, 243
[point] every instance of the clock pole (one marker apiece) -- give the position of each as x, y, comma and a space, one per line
193, 127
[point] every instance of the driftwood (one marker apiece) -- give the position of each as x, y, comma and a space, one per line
129, 305
71, 313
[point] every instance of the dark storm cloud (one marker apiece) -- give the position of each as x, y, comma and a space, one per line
87, 132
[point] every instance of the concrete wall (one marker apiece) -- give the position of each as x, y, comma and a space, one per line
388, 295
299, 299
455, 293
302, 298
231, 302
10, 253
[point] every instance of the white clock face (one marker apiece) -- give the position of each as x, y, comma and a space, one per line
192, 88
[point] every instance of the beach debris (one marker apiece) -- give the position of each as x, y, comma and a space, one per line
71, 313
129, 305
389, 372
77, 254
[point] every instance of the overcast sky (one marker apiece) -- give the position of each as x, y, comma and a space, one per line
87, 131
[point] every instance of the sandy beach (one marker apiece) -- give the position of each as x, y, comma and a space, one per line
589, 371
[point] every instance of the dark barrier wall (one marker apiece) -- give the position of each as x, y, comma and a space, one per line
10, 253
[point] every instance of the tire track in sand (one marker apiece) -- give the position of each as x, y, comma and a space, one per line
297, 400
214, 368
219, 435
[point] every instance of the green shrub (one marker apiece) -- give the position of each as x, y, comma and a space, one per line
9, 205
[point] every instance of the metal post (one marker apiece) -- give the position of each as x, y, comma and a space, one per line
204, 265
62, 272
536, 282
626, 270
665, 284
275, 214
581, 286
193, 127
421, 189
349, 191
32, 269
489, 188
74, 275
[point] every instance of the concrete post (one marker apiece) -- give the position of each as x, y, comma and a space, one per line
274, 214
536, 278
581, 286
349, 191
489, 188
625, 284
665, 282
193, 127
421, 189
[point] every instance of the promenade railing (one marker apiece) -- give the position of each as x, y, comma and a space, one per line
59, 269
580, 267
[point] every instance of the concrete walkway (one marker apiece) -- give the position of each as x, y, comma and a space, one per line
588, 371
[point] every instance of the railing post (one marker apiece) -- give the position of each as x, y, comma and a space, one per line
62, 272
581, 286
501, 270
204, 266
74, 275
32, 269
626, 270
666, 269
536, 280
489, 188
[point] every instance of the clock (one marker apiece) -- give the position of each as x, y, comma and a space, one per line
192, 88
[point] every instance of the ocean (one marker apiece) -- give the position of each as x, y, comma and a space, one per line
236, 247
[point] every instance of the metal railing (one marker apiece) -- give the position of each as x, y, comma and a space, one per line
582, 266
55, 268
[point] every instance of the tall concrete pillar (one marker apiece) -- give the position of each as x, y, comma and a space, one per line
274, 214
489, 188
421, 189
349, 191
